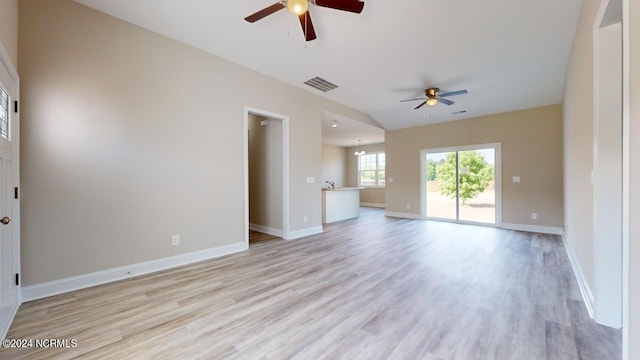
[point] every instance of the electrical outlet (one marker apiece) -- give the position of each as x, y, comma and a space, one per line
534, 216
175, 240
408, 206
304, 218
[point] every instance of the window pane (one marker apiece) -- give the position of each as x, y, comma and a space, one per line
4, 114
368, 162
477, 200
381, 161
381, 178
441, 185
368, 178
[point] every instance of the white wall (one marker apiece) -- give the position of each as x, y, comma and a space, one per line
334, 164
9, 28
130, 137
578, 121
631, 116
607, 186
531, 144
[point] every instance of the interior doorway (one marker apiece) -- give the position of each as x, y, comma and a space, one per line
266, 175
462, 184
9, 205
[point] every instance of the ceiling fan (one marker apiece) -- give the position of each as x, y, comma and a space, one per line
433, 96
300, 8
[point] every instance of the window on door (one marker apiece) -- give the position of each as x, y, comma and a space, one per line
4, 114
460, 184
371, 171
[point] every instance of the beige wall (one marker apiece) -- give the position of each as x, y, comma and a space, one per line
368, 195
578, 143
531, 148
9, 28
632, 98
129, 137
265, 172
334, 164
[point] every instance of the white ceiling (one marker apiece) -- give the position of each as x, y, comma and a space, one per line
509, 54
348, 132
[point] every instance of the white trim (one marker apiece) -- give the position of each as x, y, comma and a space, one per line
7, 64
626, 185
55, 287
296, 234
403, 215
265, 229
285, 168
587, 295
533, 228
372, 204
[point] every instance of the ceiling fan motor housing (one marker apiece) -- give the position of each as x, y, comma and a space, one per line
432, 92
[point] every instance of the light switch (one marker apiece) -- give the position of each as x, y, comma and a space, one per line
516, 179
311, 179
390, 179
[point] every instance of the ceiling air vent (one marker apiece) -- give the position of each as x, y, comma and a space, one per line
320, 84
458, 112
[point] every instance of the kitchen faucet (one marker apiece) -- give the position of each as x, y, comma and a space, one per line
331, 184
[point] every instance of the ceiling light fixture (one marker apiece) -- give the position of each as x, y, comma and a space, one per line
432, 101
360, 151
298, 7
335, 124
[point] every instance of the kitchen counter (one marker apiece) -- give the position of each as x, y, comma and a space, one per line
340, 204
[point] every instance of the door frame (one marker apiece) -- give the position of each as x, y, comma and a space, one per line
498, 181
285, 168
7, 64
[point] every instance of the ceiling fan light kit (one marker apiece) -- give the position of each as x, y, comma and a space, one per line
300, 8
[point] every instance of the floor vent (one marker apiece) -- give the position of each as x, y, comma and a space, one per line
320, 84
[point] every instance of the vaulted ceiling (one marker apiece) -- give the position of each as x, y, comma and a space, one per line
509, 54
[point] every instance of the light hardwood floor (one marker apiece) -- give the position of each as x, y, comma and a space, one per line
370, 288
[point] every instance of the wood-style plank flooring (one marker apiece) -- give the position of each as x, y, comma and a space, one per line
369, 288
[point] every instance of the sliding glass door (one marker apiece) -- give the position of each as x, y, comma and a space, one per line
459, 184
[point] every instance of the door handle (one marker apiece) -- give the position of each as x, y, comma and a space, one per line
5, 220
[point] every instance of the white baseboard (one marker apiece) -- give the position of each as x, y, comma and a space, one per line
296, 234
533, 228
374, 205
38, 291
403, 215
266, 230
587, 295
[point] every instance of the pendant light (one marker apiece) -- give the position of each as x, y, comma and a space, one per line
360, 151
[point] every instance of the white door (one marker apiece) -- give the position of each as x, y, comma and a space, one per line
9, 224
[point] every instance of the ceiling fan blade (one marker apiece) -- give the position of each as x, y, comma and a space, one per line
346, 5
413, 99
307, 26
452, 93
265, 12
445, 101
419, 106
